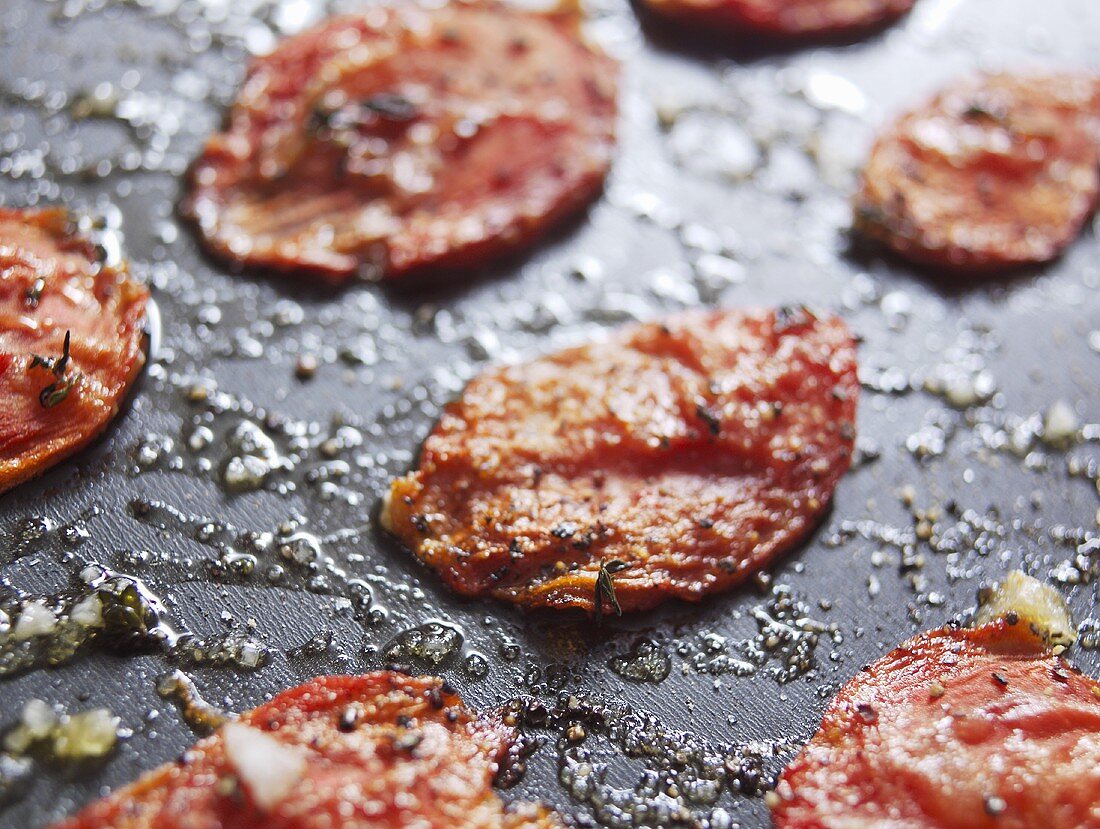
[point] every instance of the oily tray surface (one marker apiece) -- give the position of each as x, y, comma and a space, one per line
730, 187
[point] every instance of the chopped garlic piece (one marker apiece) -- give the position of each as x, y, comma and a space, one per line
38, 721
1060, 424
39, 718
88, 612
89, 734
35, 619
86, 735
1035, 603
384, 514
268, 768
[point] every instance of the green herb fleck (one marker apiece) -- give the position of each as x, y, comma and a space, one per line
793, 316
34, 292
976, 110
391, 107
710, 418
385, 106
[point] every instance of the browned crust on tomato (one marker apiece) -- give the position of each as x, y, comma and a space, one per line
955, 729
51, 282
404, 140
785, 19
673, 460
383, 750
994, 172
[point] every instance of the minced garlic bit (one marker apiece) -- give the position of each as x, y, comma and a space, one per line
268, 767
936, 689
1032, 603
84, 736
1060, 424
35, 619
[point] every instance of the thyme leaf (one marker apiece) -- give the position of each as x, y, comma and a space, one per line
977, 111
57, 392
45, 362
62, 364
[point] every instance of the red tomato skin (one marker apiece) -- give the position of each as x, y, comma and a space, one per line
993, 173
685, 453
325, 168
783, 19
408, 754
955, 729
52, 282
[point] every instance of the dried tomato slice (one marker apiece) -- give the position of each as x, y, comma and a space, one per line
786, 18
70, 341
674, 459
406, 139
955, 729
377, 751
994, 172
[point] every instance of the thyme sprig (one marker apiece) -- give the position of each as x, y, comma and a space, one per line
605, 588
58, 390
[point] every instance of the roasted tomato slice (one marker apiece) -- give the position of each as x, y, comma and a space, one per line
955, 729
378, 751
407, 139
674, 459
994, 172
785, 18
70, 341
